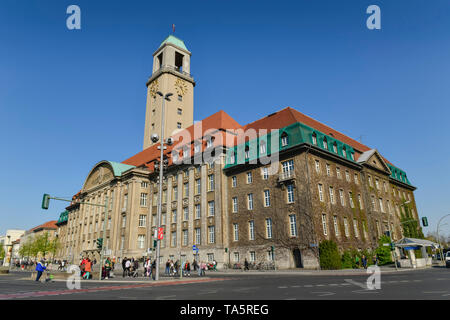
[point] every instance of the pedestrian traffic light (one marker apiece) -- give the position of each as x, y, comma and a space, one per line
45, 201
425, 221
392, 247
226, 249
99, 243
154, 244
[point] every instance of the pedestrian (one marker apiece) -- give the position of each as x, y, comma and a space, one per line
375, 260
40, 268
154, 269
199, 269
195, 265
214, 265
357, 261
167, 267
187, 268
364, 261
107, 268
171, 268
128, 267
87, 269
246, 265
124, 268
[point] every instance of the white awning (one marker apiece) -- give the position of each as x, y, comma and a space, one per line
412, 242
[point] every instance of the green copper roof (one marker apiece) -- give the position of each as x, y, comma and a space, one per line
119, 168
174, 40
63, 217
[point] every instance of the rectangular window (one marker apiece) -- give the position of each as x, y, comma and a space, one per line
236, 232
198, 186
186, 213
179, 111
211, 182
252, 256
336, 226
124, 221
234, 181
355, 228
185, 237
186, 190
332, 195
347, 175
288, 166
380, 201
211, 232
341, 196
385, 187
265, 173
317, 166
320, 192
346, 227
197, 211
198, 236
293, 225
360, 201
174, 216
250, 201
377, 184
141, 241
235, 204
236, 257
290, 193
270, 256
370, 181
249, 177
251, 230
324, 224
164, 196
122, 242
266, 198
211, 209
143, 199
338, 172
328, 169
356, 178
144, 184
269, 228
373, 203
142, 220
175, 194
173, 242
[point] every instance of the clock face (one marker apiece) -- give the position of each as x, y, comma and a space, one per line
154, 87
181, 87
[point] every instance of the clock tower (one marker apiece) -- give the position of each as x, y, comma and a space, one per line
171, 74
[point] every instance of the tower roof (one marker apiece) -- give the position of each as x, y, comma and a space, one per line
175, 41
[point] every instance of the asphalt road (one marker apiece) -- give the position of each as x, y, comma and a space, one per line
423, 284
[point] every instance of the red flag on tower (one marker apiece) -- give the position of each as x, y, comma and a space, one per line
173, 28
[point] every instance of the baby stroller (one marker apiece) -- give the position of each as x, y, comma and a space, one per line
134, 272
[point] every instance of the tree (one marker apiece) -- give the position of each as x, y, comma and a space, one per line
53, 246
2, 252
329, 255
43, 244
384, 252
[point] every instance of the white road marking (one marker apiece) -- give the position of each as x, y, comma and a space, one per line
295, 286
282, 287
165, 298
325, 293
361, 285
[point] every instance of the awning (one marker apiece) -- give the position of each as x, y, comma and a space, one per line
412, 242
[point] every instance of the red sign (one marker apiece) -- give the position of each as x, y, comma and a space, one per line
160, 233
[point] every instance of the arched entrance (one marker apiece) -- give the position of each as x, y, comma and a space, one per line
297, 258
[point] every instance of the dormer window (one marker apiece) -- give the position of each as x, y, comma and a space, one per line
325, 144
262, 147
186, 153
344, 152
196, 147
314, 139
284, 139
335, 147
247, 153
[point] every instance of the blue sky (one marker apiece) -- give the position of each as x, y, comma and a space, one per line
69, 99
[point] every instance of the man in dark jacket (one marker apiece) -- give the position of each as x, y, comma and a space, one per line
124, 261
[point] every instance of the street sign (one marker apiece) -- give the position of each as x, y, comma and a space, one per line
312, 245
107, 252
160, 233
194, 248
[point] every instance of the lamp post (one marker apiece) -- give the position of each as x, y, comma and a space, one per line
10, 256
161, 169
437, 234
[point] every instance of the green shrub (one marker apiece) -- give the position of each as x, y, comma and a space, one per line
347, 260
329, 255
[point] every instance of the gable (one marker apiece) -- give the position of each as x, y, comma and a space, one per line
99, 175
373, 159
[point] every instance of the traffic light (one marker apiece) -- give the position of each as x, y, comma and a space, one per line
45, 201
99, 243
226, 249
425, 221
392, 247
154, 244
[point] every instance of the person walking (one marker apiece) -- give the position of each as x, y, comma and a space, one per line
87, 269
124, 268
246, 265
187, 268
107, 268
40, 269
153, 270
364, 261
128, 267
357, 261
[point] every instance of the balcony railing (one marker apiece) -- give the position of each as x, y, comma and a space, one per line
287, 175
167, 67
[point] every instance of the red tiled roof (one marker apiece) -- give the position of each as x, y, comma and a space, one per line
48, 225
219, 120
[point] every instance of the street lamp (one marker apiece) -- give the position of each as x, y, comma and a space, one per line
155, 139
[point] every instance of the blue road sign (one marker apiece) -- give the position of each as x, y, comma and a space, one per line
194, 247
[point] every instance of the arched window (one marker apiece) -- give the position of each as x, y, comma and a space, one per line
335, 147
344, 152
314, 138
284, 139
174, 156
262, 147
325, 143
247, 153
